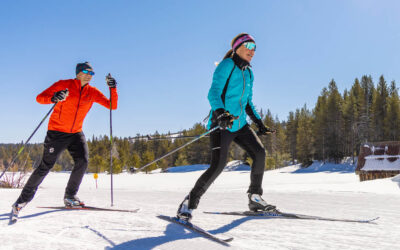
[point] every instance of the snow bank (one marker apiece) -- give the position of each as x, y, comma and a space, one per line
236, 165
397, 179
188, 168
319, 166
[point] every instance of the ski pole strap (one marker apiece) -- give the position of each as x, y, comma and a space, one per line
173, 151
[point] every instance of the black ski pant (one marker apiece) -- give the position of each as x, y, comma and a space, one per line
54, 144
220, 140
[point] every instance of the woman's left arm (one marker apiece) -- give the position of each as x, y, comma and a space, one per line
250, 109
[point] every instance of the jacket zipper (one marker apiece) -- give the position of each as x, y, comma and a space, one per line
59, 116
77, 108
240, 101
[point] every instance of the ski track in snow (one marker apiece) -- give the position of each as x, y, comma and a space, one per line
328, 194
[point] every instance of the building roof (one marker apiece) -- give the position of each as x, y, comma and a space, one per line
379, 156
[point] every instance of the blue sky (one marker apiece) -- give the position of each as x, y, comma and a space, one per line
162, 55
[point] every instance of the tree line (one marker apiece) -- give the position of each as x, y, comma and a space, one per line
334, 129
340, 123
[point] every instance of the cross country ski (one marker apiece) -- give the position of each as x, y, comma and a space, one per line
196, 229
278, 214
89, 208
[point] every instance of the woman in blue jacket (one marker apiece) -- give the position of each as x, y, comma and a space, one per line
230, 97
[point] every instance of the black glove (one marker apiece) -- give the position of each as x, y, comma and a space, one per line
224, 118
262, 129
60, 96
111, 81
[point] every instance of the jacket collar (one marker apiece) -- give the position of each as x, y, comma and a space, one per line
78, 82
242, 64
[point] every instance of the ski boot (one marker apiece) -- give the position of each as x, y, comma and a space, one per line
16, 208
184, 213
73, 201
256, 203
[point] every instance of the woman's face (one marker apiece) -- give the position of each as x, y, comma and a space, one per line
245, 53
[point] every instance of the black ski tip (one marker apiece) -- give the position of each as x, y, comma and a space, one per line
372, 220
12, 222
206, 212
12, 219
228, 240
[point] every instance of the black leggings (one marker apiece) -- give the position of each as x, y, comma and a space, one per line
220, 140
54, 144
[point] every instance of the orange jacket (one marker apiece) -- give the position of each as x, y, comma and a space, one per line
68, 115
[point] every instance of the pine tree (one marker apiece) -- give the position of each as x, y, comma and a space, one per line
268, 140
134, 160
320, 126
365, 131
148, 157
291, 134
335, 124
392, 118
304, 145
198, 152
181, 160
379, 110
354, 108
97, 164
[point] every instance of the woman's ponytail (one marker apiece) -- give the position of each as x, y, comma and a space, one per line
228, 54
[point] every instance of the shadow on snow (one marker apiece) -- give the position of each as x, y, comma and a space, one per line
175, 232
6, 216
319, 167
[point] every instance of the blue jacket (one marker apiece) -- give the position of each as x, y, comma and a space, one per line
238, 95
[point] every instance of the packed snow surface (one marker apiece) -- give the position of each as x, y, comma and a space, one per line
324, 190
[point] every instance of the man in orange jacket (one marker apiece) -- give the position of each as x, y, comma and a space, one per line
73, 98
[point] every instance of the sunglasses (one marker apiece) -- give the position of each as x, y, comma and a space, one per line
88, 72
250, 45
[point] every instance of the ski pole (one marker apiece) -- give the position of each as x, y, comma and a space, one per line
111, 145
150, 138
26, 142
173, 151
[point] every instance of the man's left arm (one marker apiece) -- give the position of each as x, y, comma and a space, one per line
104, 101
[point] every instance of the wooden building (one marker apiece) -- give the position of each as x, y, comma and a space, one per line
378, 160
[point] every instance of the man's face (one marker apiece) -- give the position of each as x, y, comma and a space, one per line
85, 78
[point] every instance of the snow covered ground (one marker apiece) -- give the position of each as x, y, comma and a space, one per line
323, 190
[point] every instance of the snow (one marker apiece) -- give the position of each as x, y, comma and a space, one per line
396, 179
373, 164
236, 165
318, 166
184, 169
381, 156
324, 189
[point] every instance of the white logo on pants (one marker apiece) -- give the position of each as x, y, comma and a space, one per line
51, 150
